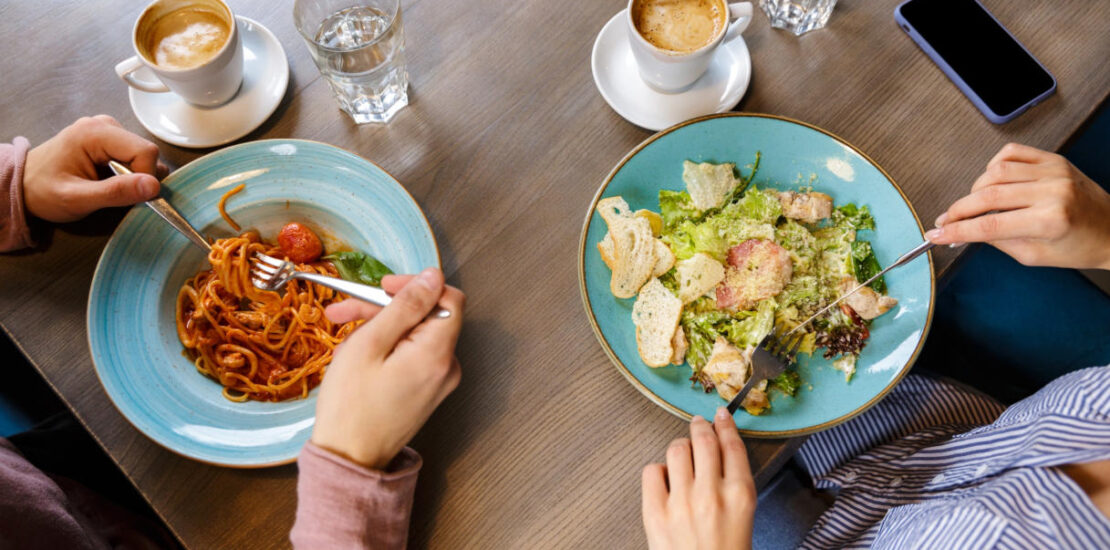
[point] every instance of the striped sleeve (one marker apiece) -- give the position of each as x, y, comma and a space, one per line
917, 403
946, 486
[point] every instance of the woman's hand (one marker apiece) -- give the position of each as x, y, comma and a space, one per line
60, 183
1035, 206
704, 502
391, 373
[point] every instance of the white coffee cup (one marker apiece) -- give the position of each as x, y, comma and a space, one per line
669, 71
209, 83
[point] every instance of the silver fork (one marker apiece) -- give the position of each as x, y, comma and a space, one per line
770, 359
270, 273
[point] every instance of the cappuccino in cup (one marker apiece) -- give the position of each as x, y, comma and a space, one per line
191, 48
674, 40
680, 26
185, 38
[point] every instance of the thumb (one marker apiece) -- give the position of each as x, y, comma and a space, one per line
123, 190
409, 308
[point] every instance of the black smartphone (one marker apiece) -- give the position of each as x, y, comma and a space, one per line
978, 54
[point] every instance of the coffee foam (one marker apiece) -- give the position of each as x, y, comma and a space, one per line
678, 25
187, 38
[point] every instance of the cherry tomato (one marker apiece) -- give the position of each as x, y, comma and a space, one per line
299, 243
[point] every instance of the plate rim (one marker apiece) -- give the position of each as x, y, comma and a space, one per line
671, 408
133, 212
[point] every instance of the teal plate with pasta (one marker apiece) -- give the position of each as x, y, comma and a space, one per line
132, 333
792, 155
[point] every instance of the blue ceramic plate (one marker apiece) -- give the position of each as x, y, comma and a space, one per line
132, 334
794, 154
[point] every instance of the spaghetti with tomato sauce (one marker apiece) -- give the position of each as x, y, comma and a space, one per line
260, 344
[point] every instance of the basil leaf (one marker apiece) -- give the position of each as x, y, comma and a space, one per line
359, 267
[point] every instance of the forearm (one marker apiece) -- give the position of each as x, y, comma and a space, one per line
341, 504
14, 233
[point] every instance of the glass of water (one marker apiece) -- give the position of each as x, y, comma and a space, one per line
798, 16
359, 47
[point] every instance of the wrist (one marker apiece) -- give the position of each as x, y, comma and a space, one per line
374, 460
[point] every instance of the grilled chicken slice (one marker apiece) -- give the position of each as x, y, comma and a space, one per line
867, 303
809, 207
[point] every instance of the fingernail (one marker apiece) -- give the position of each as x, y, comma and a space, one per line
956, 245
943, 217
148, 187
722, 413
934, 234
697, 418
428, 278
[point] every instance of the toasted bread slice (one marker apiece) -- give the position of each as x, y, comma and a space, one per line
664, 258
605, 248
680, 346
632, 255
708, 184
697, 275
656, 314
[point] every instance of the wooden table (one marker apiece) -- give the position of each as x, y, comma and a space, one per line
503, 146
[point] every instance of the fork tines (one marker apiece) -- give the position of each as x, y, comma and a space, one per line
782, 345
269, 260
266, 272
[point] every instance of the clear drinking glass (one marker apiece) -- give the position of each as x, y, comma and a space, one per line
798, 16
359, 47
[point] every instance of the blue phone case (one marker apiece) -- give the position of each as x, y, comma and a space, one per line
997, 118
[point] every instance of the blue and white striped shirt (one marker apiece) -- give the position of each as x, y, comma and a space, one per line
936, 465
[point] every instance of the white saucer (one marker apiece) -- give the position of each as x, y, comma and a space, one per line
265, 76
618, 80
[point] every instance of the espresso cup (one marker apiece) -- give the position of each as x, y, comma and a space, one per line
191, 46
678, 38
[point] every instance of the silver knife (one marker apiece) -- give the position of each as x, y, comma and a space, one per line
905, 259
167, 212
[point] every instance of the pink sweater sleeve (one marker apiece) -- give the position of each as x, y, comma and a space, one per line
341, 504
14, 233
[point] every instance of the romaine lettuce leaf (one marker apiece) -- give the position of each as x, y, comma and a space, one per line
804, 291
737, 230
701, 332
756, 205
689, 238
866, 265
744, 333
852, 216
788, 382
676, 207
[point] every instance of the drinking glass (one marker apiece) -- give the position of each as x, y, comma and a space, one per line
798, 16
359, 46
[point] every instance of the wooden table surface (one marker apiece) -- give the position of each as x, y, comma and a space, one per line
503, 146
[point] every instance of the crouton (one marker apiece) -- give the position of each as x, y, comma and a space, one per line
709, 184
631, 254
656, 314
697, 275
